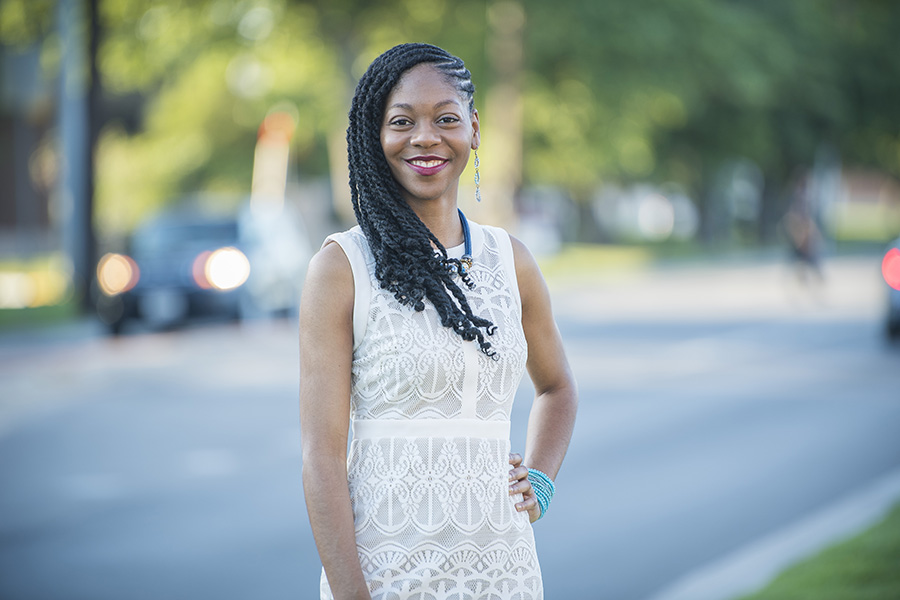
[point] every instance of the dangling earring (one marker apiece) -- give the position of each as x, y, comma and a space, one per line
477, 178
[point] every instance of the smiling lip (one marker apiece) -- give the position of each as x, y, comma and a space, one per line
427, 165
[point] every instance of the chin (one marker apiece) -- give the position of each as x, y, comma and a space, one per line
421, 196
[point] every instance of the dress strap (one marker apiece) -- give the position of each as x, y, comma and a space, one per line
507, 259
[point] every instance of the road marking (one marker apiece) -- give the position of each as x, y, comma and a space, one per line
750, 568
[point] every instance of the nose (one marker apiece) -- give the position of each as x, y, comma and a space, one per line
425, 135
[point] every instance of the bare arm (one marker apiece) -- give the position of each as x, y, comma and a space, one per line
556, 398
326, 349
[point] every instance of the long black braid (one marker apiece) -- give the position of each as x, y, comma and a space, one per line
406, 262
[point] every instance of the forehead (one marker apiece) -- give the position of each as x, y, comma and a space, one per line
424, 84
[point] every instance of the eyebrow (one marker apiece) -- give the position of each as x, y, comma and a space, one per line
440, 104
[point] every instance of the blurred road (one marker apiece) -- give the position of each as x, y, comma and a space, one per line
720, 402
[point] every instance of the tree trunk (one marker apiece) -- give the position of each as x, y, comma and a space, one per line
95, 92
501, 123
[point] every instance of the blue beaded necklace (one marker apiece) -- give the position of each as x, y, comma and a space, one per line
466, 260
463, 265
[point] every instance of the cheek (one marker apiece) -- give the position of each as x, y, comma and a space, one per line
391, 155
390, 145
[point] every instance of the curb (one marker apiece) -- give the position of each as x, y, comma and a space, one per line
752, 567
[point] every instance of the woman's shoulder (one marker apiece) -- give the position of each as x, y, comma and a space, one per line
354, 234
343, 258
329, 266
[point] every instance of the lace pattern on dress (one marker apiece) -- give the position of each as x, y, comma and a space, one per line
409, 366
433, 516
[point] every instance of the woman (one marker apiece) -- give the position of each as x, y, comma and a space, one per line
416, 326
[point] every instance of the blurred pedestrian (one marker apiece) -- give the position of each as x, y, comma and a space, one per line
416, 326
804, 236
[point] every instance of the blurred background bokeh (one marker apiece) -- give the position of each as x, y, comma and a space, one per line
712, 188
684, 127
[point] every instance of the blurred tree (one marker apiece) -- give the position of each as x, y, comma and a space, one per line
67, 33
632, 91
209, 71
25, 22
674, 91
868, 50
613, 91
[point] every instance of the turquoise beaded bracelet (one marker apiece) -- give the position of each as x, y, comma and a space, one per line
543, 488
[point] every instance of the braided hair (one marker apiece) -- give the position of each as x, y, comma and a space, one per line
406, 262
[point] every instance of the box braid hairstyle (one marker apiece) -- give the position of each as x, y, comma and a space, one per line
406, 263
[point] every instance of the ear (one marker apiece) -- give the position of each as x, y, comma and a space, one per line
476, 130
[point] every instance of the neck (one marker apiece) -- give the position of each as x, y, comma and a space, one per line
442, 219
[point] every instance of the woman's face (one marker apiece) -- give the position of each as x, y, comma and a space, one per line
426, 133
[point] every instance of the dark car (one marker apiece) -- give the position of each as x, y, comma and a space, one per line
181, 266
890, 268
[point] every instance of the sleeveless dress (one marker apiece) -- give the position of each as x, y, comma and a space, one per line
428, 464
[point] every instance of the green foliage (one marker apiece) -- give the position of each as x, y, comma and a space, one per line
661, 76
25, 22
870, 49
210, 72
613, 91
676, 91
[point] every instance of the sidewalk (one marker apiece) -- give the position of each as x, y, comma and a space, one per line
728, 288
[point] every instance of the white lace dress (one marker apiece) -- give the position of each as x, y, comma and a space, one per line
429, 457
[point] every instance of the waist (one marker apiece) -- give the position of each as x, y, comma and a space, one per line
443, 428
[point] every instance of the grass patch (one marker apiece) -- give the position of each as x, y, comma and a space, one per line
21, 318
35, 291
592, 262
580, 260
866, 567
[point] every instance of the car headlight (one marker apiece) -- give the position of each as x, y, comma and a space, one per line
224, 269
117, 273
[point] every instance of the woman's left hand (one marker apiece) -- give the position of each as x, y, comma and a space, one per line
519, 484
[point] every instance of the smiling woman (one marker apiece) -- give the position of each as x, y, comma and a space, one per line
395, 324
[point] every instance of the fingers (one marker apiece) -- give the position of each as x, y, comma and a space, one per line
519, 471
522, 486
519, 484
529, 500
528, 504
518, 474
